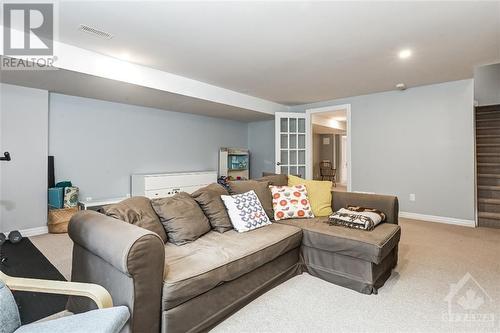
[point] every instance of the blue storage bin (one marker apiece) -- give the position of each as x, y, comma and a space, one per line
56, 197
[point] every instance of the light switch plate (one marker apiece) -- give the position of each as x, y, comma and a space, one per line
412, 197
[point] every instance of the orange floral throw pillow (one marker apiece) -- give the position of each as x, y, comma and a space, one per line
290, 202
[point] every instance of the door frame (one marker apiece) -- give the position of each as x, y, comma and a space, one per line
309, 138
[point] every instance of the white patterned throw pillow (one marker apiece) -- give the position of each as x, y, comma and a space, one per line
291, 202
245, 211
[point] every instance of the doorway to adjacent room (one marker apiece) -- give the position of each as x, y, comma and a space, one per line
328, 145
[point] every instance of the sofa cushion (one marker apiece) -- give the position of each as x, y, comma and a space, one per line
261, 188
215, 258
9, 314
274, 179
137, 211
181, 217
371, 246
209, 199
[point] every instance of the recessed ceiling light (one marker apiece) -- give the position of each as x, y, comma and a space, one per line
403, 54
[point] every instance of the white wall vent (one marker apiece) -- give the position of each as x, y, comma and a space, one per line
95, 32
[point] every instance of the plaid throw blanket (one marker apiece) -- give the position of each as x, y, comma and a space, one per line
357, 218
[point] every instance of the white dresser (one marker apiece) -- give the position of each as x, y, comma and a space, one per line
160, 185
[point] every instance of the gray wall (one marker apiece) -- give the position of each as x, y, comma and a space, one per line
261, 146
23, 180
487, 84
416, 141
326, 150
98, 145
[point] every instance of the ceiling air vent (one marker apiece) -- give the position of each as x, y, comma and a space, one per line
95, 32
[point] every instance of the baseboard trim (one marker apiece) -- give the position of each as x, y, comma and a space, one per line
32, 231
438, 219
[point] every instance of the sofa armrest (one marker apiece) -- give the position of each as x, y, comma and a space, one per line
387, 204
125, 259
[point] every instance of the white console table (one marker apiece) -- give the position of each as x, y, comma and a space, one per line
95, 204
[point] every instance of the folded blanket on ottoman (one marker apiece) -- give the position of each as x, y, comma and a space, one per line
357, 218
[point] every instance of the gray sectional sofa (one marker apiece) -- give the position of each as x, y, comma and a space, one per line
191, 288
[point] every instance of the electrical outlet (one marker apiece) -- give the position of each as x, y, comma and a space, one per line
412, 196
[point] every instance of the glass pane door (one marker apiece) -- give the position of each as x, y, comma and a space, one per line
291, 144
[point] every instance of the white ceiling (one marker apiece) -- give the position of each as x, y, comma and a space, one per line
339, 115
294, 52
330, 122
318, 129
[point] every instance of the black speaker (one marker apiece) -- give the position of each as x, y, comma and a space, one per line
51, 178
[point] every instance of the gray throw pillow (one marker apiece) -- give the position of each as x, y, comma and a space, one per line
209, 199
181, 217
261, 188
137, 211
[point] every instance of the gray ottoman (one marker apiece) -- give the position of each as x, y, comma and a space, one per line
355, 259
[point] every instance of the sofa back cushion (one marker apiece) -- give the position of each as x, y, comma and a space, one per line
274, 179
209, 199
181, 217
137, 211
261, 188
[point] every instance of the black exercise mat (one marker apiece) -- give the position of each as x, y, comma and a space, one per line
25, 260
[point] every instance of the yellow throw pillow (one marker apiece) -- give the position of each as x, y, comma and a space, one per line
319, 192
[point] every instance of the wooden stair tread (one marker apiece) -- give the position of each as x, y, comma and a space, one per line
488, 144
488, 136
487, 108
489, 119
488, 175
488, 187
489, 201
488, 164
489, 215
488, 112
487, 127
488, 154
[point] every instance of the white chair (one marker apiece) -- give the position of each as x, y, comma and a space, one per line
106, 319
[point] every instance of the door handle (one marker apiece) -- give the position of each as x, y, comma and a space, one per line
6, 156
278, 163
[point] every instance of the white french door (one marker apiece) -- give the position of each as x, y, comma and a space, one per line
290, 129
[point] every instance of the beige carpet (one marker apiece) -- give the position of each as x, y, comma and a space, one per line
58, 249
432, 256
